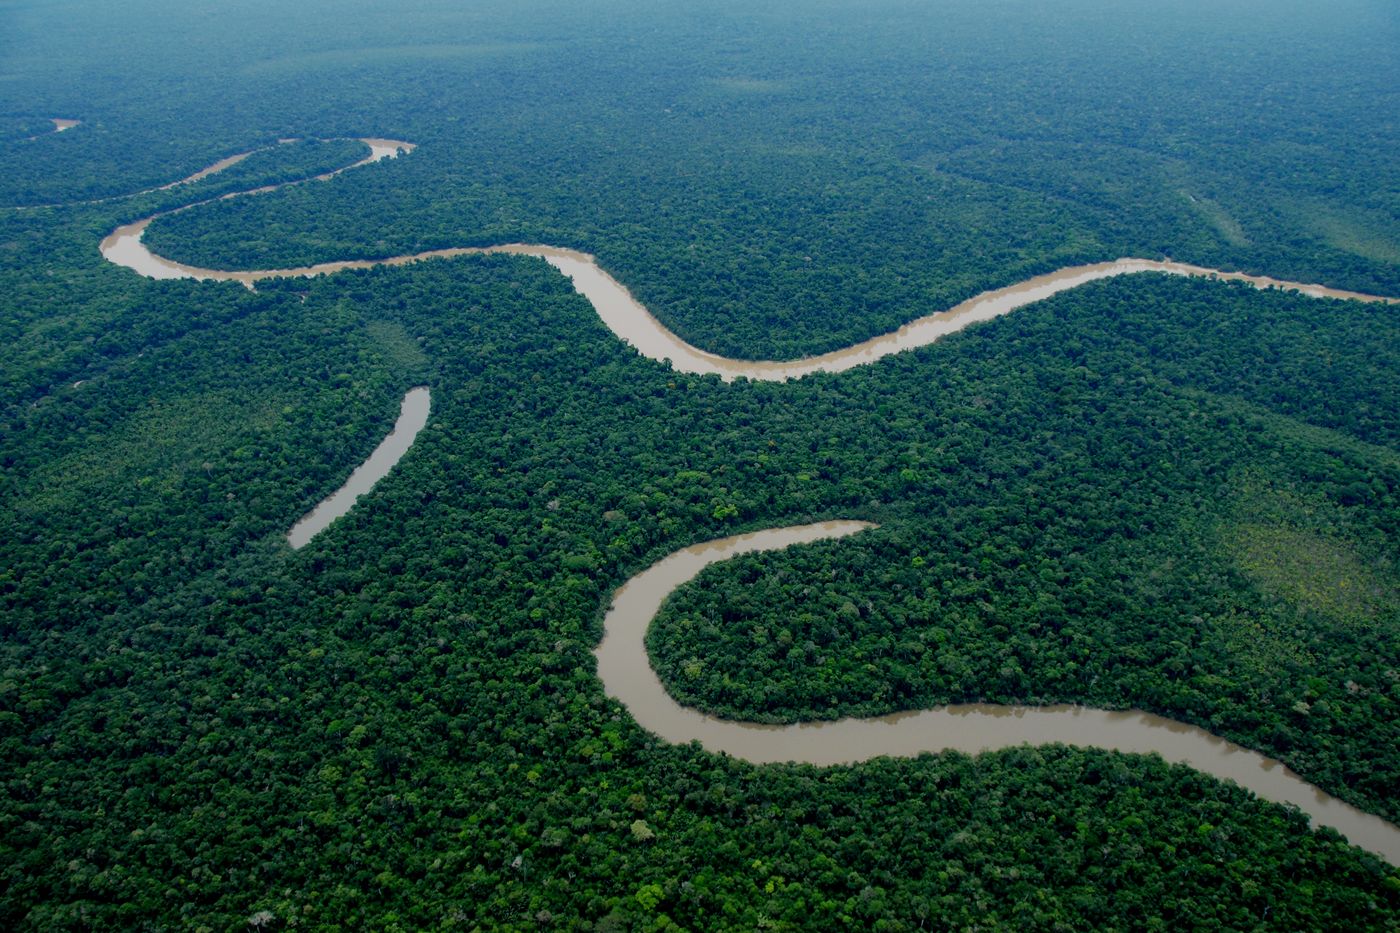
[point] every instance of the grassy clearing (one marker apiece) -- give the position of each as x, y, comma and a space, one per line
1220, 219
398, 346
1354, 234
1316, 575
1298, 550
1311, 572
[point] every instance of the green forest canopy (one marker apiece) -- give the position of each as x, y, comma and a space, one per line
1143, 493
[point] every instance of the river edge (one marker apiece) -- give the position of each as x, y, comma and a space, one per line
902, 734
60, 125
378, 149
624, 666
413, 417
635, 325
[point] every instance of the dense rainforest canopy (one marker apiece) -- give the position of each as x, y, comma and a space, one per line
1174, 495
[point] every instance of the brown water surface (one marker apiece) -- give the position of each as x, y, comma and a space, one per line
58, 127
623, 663
625, 669
635, 325
203, 173
123, 245
413, 415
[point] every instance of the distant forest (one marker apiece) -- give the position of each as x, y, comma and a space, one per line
1174, 495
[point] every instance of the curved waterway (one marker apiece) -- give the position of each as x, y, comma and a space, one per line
378, 149
632, 323
204, 173
59, 126
123, 245
623, 663
627, 675
413, 415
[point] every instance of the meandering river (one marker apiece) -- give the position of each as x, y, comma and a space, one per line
627, 675
123, 245
635, 325
623, 663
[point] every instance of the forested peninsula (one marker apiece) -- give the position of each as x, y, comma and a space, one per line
1154, 492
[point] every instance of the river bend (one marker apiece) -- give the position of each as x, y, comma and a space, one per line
632, 323
625, 669
60, 125
623, 663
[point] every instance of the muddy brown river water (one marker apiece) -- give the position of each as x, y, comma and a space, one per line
413, 417
627, 675
623, 664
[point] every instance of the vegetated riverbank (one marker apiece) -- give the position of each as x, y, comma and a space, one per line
625, 667
413, 416
632, 323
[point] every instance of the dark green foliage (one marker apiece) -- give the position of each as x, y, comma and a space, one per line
837, 174
428, 654
400, 727
1106, 549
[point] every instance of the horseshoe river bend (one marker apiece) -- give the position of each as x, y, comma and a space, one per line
623, 663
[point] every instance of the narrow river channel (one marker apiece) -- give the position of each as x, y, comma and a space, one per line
627, 675
623, 663
413, 416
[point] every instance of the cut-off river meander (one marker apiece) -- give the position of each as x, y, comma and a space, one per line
623, 663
